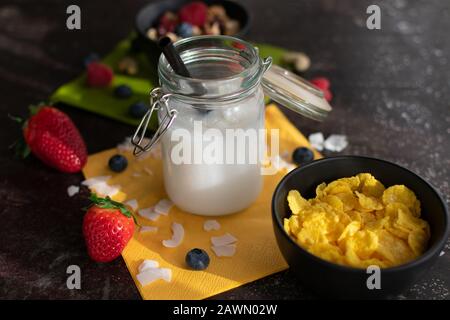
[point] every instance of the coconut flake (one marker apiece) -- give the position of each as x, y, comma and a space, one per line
95, 180
126, 145
441, 254
223, 240
152, 274
209, 225
142, 156
153, 216
148, 171
147, 277
99, 186
105, 190
336, 142
136, 174
145, 229
166, 274
316, 140
177, 236
73, 190
149, 213
156, 151
148, 264
133, 204
163, 206
224, 251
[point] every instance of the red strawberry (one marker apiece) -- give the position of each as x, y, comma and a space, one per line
321, 82
99, 74
53, 138
194, 13
107, 227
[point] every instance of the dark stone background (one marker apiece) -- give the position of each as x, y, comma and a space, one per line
391, 98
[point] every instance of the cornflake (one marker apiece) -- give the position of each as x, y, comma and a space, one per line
357, 222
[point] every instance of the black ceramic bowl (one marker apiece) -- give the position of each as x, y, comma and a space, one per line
148, 17
332, 280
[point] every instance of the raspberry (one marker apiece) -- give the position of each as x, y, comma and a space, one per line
194, 13
99, 75
328, 95
168, 22
321, 82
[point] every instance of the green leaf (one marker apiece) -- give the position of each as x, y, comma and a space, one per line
16, 119
25, 151
20, 149
34, 108
108, 203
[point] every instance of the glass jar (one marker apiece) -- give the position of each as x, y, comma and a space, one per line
211, 124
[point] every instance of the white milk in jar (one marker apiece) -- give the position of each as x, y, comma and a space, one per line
215, 187
211, 124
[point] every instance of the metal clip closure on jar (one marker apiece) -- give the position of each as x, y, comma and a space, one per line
157, 100
224, 70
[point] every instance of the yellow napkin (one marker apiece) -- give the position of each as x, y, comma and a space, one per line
257, 254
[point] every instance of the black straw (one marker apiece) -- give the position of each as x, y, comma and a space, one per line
178, 66
173, 57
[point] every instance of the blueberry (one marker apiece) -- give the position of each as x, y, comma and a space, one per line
123, 91
197, 259
91, 57
118, 163
302, 155
184, 30
137, 110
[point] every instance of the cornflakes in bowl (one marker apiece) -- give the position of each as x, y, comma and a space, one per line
357, 222
341, 222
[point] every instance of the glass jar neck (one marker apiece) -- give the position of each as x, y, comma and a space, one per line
221, 68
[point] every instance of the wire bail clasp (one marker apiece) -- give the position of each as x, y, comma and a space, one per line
157, 100
267, 63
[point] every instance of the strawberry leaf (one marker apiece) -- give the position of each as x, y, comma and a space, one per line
20, 149
34, 108
16, 119
108, 203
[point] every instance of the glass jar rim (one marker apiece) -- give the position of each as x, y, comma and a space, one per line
199, 49
166, 70
281, 85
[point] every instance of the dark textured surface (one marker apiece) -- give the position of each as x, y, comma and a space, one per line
391, 90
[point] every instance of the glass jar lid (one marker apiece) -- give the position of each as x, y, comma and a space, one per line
295, 93
226, 68
233, 69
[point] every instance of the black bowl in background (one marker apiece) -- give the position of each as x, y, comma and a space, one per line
148, 17
332, 280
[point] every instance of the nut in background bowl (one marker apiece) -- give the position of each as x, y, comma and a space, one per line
332, 280
148, 17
